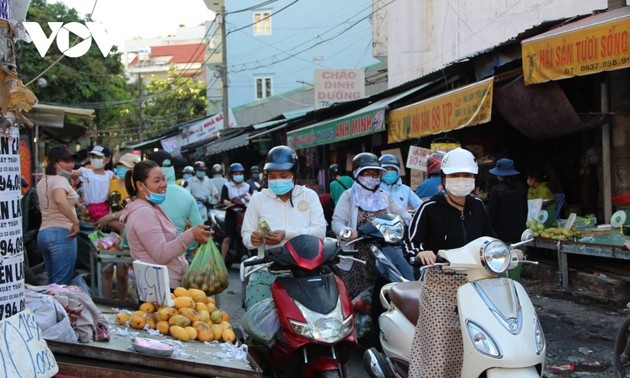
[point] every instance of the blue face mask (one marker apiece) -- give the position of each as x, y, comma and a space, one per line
237, 178
156, 198
187, 176
281, 186
390, 177
201, 174
121, 170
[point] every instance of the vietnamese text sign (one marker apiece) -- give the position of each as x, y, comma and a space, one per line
11, 243
152, 283
465, 106
337, 86
417, 158
204, 128
592, 49
335, 131
23, 350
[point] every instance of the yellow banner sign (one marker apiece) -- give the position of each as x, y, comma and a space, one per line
604, 46
466, 106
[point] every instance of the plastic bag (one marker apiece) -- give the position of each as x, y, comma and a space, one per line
102, 240
207, 271
261, 322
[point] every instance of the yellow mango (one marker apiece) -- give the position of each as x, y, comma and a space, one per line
228, 335
204, 316
189, 313
139, 313
162, 326
180, 292
211, 300
197, 295
204, 333
137, 321
148, 307
151, 319
225, 316
179, 320
165, 313
225, 324
201, 307
181, 302
211, 307
179, 333
192, 333
122, 317
216, 316
217, 331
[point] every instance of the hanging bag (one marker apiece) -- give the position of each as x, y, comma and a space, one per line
207, 271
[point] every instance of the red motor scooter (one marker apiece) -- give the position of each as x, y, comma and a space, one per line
316, 322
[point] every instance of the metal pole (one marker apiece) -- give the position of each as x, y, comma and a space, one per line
224, 71
606, 154
140, 110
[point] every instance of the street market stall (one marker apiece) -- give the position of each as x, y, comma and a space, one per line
118, 358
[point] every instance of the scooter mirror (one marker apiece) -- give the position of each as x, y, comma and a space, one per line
528, 234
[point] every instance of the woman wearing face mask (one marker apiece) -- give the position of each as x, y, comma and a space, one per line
289, 210
444, 221
235, 188
151, 235
360, 204
96, 182
60, 224
453, 219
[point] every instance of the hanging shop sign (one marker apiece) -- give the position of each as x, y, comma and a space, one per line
417, 158
333, 86
462, 107
595, 44
362, 124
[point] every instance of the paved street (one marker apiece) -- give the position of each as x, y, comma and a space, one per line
580, 338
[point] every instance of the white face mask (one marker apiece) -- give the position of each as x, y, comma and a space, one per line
97, 163
460, 186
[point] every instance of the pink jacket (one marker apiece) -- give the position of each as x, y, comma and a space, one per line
152, 238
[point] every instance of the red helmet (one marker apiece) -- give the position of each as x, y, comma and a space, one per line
434, 162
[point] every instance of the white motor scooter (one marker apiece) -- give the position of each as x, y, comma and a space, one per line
501, 333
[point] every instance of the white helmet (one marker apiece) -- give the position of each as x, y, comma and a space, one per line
459, 160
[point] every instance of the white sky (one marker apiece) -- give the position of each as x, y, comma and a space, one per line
127, 19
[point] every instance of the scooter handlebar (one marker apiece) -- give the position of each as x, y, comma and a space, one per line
255, 262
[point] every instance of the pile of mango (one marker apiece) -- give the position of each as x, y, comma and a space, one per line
556, 233
194, 316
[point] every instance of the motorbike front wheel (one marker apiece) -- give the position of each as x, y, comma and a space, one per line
621, 358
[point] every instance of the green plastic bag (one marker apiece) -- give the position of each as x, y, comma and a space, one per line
207, 271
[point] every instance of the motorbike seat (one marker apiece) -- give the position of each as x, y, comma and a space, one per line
406, 297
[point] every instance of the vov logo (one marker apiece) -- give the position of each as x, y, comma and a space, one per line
61, 32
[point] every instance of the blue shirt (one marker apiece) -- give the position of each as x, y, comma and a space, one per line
402, 194
429, 187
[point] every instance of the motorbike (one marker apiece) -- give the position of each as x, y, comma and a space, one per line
237, 251
501, 333
316, 323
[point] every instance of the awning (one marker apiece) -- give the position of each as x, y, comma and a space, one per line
226, 144
466, 106
54, 116
542, 111
591, 45
365, 121
281, 125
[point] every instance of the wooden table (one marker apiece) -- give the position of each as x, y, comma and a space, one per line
115, 358
608, 244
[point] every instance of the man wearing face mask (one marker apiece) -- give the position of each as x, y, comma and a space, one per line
203, 190
234, 189
392, 183
255, 182
96, 182
288, 209
187, 173
453, 219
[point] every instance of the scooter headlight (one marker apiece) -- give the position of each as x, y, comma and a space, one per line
327, 329
495, 257
392, 230
482, 341
539, 337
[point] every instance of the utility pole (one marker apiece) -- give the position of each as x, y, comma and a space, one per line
224, 71
140, 110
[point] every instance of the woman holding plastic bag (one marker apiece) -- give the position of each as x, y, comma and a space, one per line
151, 235
278, 213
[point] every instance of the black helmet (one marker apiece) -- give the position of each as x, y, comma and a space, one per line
217, 169
199, 166
365, 160
236, 167
334, 170
281, 158
389, 160
255, 169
